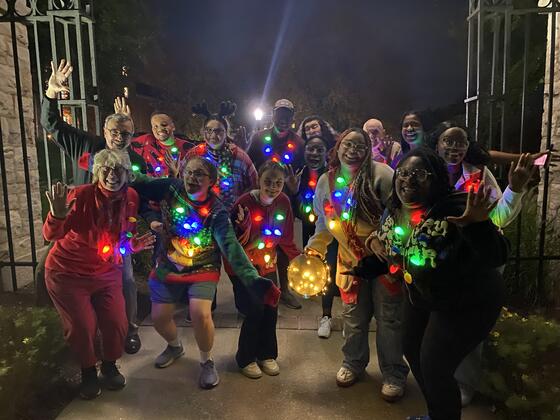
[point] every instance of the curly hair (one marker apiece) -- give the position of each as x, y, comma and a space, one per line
328, 133
368, 202
476, 154
112, 158
433, 163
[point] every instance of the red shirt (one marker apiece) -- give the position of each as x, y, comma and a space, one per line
84, 244
153, 152
265, 228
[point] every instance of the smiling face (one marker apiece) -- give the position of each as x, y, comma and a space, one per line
112, 178
352, 150
412, 183
196, 179
315, 154
376, 132
271, 183
452, 145
162, 126
215, 134
118, 134
412, 130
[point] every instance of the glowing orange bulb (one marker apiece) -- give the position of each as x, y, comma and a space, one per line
258, 218
312, 183
291, 146
275, 159
204, 211
106, 249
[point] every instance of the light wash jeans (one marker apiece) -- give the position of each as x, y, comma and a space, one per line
375, 300
130, 294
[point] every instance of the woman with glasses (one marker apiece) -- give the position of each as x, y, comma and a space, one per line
446, 249
196, 231
94, 228
349, 201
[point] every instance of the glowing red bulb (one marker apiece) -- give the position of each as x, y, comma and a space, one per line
312, 183
393, 268
291, 146
258, 218
204, 211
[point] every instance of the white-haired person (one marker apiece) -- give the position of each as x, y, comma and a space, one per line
93, 227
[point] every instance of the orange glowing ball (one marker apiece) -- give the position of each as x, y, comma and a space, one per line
308, 275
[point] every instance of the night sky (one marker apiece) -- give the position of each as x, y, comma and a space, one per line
382, 57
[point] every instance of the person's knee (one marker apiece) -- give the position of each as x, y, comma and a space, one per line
201, 316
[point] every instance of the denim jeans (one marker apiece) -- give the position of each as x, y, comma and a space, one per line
375, 299
130, 294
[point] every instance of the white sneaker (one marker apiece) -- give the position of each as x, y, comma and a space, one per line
270, 367
325, 324
252, 370
392, 392
345, 377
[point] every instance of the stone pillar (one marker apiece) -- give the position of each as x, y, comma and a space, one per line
12, 142
553, 209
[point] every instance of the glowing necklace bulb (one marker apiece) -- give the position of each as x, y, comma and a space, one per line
340, 180
260, 245
266, 258
279, 217
332, 224
180, 210
399, 231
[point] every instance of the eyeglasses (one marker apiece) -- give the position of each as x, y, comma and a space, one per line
457, 144
360, 148
125, 135
218, 131
117, 170
196, 174
417, 174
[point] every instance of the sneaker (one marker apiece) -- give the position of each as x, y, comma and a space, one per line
168, 356
188, 319
112, 378
89, 387
270, 367
325, 324
392, 392
289, 300
252, 370
467, 394
208, 375
345, 377
132, 344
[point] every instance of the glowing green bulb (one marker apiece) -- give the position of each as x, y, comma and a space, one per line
260, 245
279, 217
345, 215
197, 240
174, 149
417, 260
135, 168
267, 138
340, 180
180, 210
399, 231
307, 209
224, 169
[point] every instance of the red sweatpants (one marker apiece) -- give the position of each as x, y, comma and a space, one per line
86, 303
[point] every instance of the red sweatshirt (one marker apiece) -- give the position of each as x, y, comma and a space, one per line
265, 228
85, 244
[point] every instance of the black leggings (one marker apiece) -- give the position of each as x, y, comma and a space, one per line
435, 343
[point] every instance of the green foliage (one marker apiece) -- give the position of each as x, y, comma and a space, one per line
522, 374
30, 354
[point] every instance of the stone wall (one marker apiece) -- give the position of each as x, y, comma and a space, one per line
11, 136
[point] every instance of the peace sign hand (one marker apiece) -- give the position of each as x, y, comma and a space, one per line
121, 107
242, 214
57, 200
58, 79
293, 179
479, 206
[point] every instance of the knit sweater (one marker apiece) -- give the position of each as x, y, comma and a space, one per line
330, 226
264, 229
153, 152
196, 235
84, 244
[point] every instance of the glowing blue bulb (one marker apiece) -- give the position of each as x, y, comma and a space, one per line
194, 225
268, 150
158, 168
277, 232
187, 226
349, 201
225, 183
208, 158
122, 250
308, 195
338, 194
267, 232
287, 156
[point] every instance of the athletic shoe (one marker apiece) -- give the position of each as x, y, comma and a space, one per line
289, 300
89, 387
392, 392
208, 375
325, 324
132, 344
112, 378
252, 370
169, 355
270, 367
345, 377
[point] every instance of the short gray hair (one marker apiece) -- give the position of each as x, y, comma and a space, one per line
112, 158
119, 118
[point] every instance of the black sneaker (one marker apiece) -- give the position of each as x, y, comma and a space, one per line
89, 387
132, 344
289, 300
112, 378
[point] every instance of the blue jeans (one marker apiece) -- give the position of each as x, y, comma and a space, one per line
375, 300
130, 294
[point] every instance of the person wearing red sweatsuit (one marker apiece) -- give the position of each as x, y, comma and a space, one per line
263, 222
94, 226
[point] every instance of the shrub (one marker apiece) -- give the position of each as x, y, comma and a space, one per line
31, 347
522, 371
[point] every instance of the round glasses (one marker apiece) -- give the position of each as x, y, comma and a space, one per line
416, 174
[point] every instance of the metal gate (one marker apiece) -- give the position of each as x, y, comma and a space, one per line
508, 58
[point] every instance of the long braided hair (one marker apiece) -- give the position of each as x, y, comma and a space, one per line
368, 202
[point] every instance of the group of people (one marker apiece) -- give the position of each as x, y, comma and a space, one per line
411, 230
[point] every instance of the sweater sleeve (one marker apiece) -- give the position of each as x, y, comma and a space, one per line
490, 247
322, 237
54, 228
73, 141
383, 182
509, 203
287, 240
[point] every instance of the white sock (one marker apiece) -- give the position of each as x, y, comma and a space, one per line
175, 343
205, 356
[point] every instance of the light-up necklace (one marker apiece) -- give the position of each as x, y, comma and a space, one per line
223, 161
308, 194
188, 226
270, 230
286, 156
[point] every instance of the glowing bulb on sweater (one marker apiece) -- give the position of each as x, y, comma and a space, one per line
190, 252
267, 232
174, 149
332, 224
307, 209
277, 232
267, 150
399, 230
417, 260
345, 215
393, 268
106, 249
266, 258
158, 169
287, 157
122, 250
338, 194
279, 217
258, 218
180, 210
311, 218
197, 240
135, 168
260, 245
312, 183
340, 180
267, 138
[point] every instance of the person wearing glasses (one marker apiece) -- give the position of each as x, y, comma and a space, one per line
349, 201
81, 147
444, 246
195, 230
93, 228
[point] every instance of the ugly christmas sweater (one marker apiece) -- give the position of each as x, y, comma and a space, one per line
153, 152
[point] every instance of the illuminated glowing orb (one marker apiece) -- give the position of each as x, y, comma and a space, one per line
308, 275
